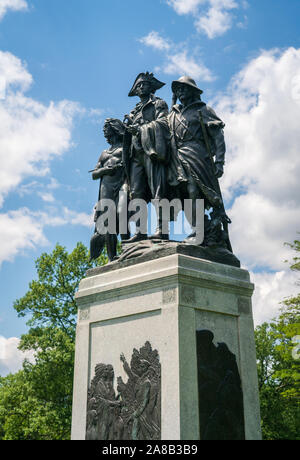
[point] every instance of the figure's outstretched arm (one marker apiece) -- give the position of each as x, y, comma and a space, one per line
102, 171
126, 367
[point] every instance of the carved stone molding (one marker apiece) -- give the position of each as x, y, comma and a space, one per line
169, 296
188, 295
84, 314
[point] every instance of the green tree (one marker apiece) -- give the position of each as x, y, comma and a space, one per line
279, 368
36, 403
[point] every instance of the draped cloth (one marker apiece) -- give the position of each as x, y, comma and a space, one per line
146, 153
190, 160
110, 185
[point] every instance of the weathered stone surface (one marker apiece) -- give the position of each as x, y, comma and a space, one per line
166, 301
143, 251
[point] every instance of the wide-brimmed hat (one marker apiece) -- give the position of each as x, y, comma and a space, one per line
146, 76
186, 81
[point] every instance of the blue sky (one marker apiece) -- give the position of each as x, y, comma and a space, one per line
66, 65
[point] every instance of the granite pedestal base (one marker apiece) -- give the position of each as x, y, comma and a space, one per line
182, 391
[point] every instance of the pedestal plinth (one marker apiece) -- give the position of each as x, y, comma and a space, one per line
165, 350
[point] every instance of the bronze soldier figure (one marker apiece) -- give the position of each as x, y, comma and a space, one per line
198, 157
146, 146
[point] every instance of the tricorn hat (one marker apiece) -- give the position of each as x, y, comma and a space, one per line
186, 81
146, 76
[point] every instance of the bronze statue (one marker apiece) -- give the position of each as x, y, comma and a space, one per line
146, 146
157, 156
197, 155
111, 172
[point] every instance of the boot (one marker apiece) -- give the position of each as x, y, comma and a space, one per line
162, 225
192, 239
136, 238
159, 235
111, 246
96, 246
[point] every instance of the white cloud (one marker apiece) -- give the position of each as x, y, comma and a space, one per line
14, 72
155, 40
65, 216
261, 111
212, 17
78, 218
44, 191
95, 115
177, 62
185, 6
31, 134
11, 358
217, 20
24, 229
14, 5
19, 230
183, 64
47, 197
260, 228
270, 290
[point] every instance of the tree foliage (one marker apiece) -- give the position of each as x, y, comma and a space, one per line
279, 368
50, 299
36, 403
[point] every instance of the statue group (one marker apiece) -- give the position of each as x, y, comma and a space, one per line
135, 412
155, 155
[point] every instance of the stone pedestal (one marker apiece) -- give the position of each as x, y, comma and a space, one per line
164, 302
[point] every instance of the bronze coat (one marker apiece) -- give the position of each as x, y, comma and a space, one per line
153, 138
189, 154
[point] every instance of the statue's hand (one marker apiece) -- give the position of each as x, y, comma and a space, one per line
133, 129
153, 156
219, 170
100, 172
